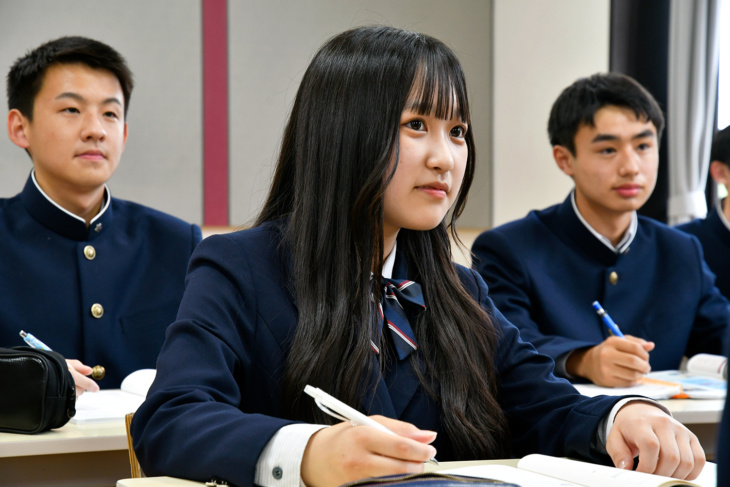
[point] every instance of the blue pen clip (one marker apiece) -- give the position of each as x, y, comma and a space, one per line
610, 324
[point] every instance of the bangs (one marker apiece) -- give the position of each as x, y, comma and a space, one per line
439, 88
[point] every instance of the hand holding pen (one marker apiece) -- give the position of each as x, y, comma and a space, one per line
79, 371
618, 361
342, 453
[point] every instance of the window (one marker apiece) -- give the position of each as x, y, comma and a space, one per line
723, 87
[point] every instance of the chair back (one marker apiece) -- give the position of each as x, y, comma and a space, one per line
133, 463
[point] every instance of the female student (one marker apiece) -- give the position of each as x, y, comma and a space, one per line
377, 149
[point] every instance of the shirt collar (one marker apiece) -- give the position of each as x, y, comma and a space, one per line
389, 263
626, 240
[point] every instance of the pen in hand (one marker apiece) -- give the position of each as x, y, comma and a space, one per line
610, 324
340, 410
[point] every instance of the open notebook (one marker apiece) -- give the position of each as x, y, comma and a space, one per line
113, 404
703, 378
547, 471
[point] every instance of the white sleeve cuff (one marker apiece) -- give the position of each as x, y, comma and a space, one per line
620, 404
279, 464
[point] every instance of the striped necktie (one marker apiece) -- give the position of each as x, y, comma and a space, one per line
400, 298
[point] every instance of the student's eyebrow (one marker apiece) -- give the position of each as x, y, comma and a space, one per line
79, 98
604, 138
644, 134
610, 137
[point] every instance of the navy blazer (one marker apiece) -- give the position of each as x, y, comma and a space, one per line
216, 400
131, 263
715, 239
546, 269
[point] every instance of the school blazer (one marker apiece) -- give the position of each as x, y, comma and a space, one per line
715, 239
544, 271
216, 400
103, 295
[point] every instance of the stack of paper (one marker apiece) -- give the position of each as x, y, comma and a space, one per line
114, 404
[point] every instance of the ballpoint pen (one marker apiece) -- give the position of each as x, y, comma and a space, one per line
97, 372
610, 324
338, 409
33, 341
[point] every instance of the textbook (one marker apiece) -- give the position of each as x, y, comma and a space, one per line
546, 471
114, 404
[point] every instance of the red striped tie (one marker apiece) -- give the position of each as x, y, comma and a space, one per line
399, 295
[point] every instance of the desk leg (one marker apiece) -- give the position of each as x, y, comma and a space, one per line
102, 468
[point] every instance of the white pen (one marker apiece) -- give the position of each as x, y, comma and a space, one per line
338, 409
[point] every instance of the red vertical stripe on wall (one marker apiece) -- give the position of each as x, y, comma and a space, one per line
215, 112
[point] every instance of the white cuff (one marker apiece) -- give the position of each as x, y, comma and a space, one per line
279, 464
620, 404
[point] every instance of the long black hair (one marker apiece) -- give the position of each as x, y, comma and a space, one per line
335, 163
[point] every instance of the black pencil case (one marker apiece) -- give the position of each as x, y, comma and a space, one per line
38, 391
430, 479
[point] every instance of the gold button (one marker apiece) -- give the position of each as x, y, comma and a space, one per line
97, 310
89, 252
98, 372
613, 277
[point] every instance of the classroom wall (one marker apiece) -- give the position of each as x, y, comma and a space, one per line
536, 49
539, 49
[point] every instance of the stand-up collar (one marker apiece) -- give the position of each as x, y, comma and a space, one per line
577, 235
625, 241
49, 214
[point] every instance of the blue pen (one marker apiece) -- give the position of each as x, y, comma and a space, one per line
612, 327
33, 341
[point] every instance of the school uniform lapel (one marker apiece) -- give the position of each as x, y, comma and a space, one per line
381, 403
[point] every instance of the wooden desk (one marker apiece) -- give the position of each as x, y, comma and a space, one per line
701, 416
71, 456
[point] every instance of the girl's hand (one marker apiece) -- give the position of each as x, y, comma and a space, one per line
663, 445
343, 453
